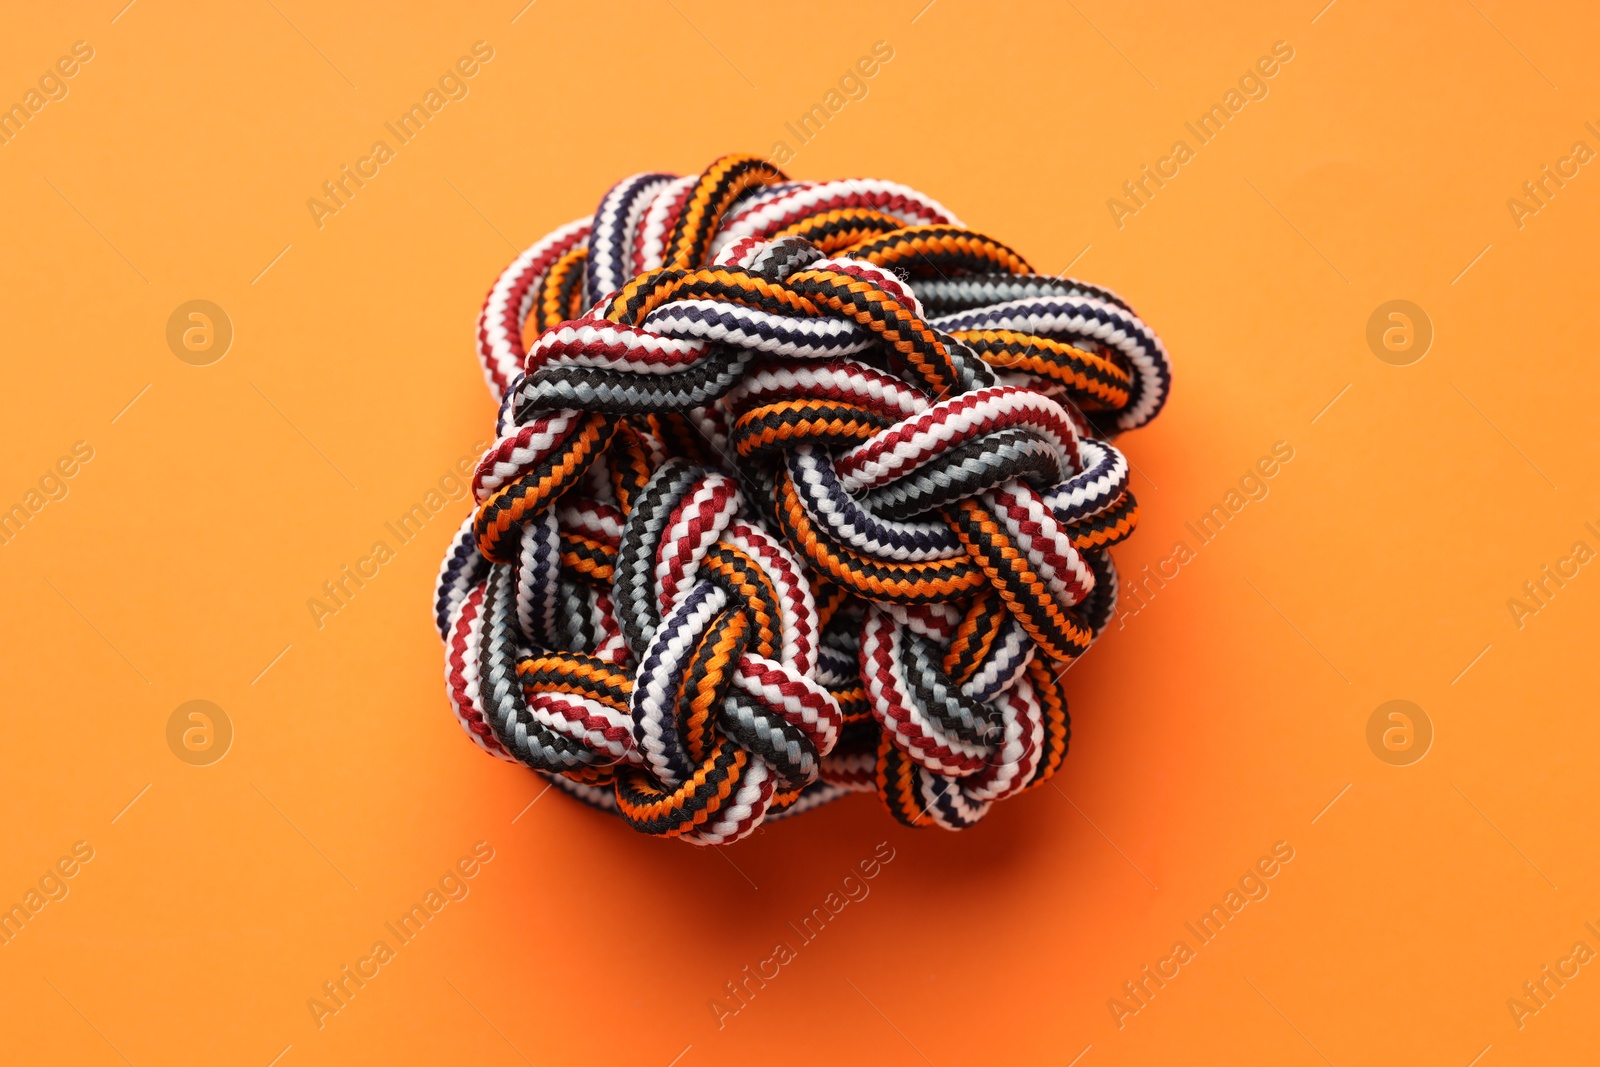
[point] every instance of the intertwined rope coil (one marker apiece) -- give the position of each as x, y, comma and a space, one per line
799, 488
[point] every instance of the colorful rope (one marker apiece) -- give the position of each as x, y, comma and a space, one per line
799, 489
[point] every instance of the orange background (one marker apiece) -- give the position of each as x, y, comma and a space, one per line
1222, 718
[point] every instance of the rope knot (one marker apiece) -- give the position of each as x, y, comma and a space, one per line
798, 489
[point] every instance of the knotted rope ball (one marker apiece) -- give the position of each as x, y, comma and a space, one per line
799, 489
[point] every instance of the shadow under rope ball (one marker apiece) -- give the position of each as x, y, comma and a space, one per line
798, 489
